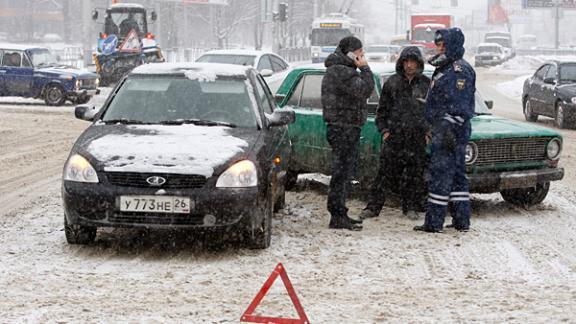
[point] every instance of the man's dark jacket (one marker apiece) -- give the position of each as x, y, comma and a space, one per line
345, 91
399, 111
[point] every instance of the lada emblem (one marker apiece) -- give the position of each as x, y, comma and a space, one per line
156, 181
514, 150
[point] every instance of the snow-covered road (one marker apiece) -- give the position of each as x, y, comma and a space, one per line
515, 265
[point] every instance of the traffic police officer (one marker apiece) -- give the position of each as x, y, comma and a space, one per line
449, 108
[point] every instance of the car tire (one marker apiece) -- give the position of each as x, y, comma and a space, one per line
54, 95
291, 180
559, 116
528, 114
79, 234
260, 237
82, 100
526, 197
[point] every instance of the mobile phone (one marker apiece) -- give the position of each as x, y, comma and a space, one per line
352, 56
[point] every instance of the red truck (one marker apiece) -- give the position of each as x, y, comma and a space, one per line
423, 27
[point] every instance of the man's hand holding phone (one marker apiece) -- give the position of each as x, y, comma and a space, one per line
359, 61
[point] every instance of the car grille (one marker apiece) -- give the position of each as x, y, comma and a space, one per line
88, 84
511, 150
156, 218
173, 181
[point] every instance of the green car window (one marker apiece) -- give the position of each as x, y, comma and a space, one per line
311, 94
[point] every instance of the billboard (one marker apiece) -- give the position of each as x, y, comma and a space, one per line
566, 4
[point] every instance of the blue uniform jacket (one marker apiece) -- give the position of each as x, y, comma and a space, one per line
451, 94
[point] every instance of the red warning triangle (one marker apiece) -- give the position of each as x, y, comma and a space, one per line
278, 271
131, 42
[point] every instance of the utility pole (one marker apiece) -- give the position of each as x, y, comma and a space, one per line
557, 23
87, 30
396, 11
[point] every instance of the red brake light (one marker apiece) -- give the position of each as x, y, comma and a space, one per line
150, 36
103, 36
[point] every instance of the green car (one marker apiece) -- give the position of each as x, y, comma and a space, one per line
516, 159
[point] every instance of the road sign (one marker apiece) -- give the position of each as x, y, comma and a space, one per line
131, 43
278, 271
566, 4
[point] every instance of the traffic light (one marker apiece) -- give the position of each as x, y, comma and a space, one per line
283, 11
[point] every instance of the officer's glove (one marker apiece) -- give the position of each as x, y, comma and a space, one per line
449, 140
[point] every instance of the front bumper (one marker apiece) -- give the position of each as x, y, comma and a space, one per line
82, 93
98, 205
488, 62
495, 182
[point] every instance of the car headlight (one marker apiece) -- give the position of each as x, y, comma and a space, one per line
97, 82
495, 57
553, 149
573, 100
471, 153
240, 175
78, 169
78, 84
316, 54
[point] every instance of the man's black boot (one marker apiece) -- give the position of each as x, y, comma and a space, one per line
427, 228
344, 223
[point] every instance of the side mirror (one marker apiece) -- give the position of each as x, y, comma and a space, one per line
281, 117
153, 16
266, 72
489, 104
279, 98
85, 112
94, 14
550, 80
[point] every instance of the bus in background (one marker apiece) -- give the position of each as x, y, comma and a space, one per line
327, 32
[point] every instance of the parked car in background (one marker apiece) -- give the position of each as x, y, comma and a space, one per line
273, 67
551, 92
488, 54
34, 72
180, 146
382, 53
518, 160
527, 41
504, 39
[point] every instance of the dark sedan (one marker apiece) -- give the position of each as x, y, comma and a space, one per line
551, 92
180, 145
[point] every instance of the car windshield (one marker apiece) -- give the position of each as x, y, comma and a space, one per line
377, 49
502, 41
42, 57
568, 72
480, 107
488, 49
126, 20
177, 100
425, 34
246, 60
328, 37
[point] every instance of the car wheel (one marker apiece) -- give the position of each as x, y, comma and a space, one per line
82, 100
79, 234
526, 197
528, 112
559, 117
261, 236
54, 95
291, 179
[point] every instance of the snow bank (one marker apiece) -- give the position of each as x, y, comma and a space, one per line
521, 65
512, 88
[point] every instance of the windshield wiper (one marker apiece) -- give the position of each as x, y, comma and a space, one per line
124, 121
198, 122
483, 114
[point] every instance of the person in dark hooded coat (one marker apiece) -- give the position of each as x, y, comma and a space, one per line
449, 108
344, 95
400, 119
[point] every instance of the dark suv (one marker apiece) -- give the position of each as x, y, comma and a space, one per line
33, 72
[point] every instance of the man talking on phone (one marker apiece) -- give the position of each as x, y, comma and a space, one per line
345, 91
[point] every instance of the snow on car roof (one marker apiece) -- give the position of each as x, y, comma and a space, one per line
209, 147
18, 47
489, 44
236, 52
431, 25
126, 5
193, 71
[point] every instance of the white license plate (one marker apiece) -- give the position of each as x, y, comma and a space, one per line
155, 204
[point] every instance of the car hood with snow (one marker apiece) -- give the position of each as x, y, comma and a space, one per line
183, 149
490, 126
65, 71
